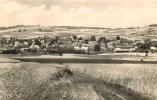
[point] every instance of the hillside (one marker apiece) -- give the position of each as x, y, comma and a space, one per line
26, 31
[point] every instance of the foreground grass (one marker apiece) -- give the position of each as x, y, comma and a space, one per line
37, 81
139, 77
34, 81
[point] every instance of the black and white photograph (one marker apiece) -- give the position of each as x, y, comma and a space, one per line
78, 49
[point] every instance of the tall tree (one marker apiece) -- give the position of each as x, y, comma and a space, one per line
86, 41
74, 37
93, 38
80, 38
37, 42
97, 48
118, 37
40, 29
19, 30
103, 39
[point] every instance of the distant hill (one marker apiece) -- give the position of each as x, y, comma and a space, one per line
37, 30
77, 27
16, 26
153, 25
131, 28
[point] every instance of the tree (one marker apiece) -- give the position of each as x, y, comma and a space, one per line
56, 39
60, 51
145, 47
122, 41
74, 37
80, 38
52, 41
86, 41
19, 30
93, 38
100, 39
118, 38
37, 42
40, 29
97, 48
103, 39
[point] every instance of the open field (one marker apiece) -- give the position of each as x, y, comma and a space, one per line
33, 31
39, 81
139, 77
101, 58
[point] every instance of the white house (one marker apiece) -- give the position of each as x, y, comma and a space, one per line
124, 49
34, 47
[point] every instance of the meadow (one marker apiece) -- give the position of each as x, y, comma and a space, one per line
35, 81
139, 77
38, 81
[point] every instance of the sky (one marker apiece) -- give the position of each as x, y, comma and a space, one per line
95, 13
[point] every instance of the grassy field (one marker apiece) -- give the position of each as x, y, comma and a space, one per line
39, 81
34, 81
139, 77
34, 32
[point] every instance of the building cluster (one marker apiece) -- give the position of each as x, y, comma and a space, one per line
74, 44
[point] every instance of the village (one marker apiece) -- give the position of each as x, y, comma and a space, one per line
75, 44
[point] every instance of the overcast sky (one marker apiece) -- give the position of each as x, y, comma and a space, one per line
103, 13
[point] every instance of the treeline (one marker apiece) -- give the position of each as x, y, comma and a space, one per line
153, 25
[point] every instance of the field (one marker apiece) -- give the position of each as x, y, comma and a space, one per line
34, 81
139, 77
39, 81
33, 31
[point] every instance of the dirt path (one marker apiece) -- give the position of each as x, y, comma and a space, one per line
111, 91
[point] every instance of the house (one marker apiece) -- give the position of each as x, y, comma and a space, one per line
34, 47
153, 42
153, 49
123, 49
77, 48
92, 42
84, 48
103, 48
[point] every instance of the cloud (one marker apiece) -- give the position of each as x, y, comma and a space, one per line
112, 14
